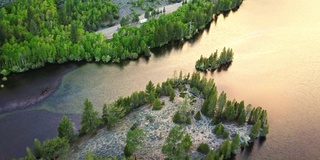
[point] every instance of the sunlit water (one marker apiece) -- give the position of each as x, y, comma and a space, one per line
276, 66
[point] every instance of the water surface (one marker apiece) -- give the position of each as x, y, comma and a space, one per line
276, 66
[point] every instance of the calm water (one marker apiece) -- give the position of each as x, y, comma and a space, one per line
276, 66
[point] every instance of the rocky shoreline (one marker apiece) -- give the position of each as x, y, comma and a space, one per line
156, 125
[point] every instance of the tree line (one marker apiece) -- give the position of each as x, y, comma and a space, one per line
40, 32
213, 62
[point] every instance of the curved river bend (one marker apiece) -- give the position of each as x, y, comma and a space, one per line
276, 66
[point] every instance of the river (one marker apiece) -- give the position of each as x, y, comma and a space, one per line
276, 66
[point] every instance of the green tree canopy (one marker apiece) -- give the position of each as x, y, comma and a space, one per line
133, 140
65, 129
177, 143
89, 120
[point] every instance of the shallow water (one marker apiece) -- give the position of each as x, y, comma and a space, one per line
276, 66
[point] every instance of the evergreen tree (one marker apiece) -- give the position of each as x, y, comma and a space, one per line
242, 118
205, 107
133, 140
177, 143
74, 35
156, 104
236, 142
211, 155
105, 114
213, 103
89, 120
265, 131
171, 93
150, 87
221, 103
147, 14
29, 155
230, 112
225, 149
53, 148
37, 150
255, 130
151, 97
203, 148
218, 129
65, 129
114, 113
198, 116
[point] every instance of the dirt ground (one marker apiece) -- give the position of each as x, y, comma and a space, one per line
111, 143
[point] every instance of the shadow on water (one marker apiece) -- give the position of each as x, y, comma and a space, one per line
261, 141
247, 150
225, 14
167, 48
224, 67
207, 28
215, 19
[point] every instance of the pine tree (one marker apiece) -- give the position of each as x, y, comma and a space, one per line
37, 150
114, 113
236, 143
203, 148
156, 104
198, 116
177, 143
255, 130
29, 155
89, 121
133, 140
211, 155
265, 131
221, 103
242, 118
105, 114
65, 129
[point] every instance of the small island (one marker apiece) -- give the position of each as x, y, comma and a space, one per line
213, 62
184, 117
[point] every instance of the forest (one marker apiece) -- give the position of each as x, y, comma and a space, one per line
215, 106
34, 33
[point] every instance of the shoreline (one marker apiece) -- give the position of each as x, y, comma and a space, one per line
12, 98
111, 143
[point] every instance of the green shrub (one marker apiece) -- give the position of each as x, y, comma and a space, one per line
177, 118
203, 148
127, 152
150, 118
188, 120
218, 130
225, 133
134, 126
157, 104
198, 116
182, 94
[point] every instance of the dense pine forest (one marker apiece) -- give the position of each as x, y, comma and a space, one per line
34, 33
